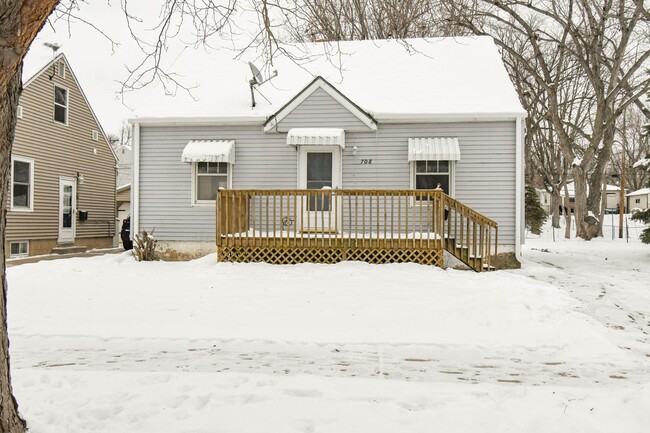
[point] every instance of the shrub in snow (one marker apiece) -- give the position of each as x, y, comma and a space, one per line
144, 246
535, 214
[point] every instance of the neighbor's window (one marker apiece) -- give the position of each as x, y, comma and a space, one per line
638, 200
22, 188
210, 176
60, 105
430, 174
19, 249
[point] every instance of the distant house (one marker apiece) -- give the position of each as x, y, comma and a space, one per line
124, 155
123, 202
611, 193
62, 169
324, 151
639, 199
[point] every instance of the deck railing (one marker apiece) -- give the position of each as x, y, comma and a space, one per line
355, 220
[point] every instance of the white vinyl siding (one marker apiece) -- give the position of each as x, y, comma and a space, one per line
325, 110
484, 177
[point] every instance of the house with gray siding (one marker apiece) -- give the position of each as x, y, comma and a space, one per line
62, 169
412, 115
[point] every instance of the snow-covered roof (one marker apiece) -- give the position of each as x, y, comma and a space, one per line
571, 188
642, 191
414, 79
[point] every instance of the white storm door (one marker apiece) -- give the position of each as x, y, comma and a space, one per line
67, 209
320, 170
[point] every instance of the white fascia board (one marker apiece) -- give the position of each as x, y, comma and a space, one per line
446, 117
320, 83
207, 120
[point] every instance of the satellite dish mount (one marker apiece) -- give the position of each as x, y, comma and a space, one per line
54, 48
257, 80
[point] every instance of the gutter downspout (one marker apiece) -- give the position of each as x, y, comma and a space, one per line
135, 181
519, 187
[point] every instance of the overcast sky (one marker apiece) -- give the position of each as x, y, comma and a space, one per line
98, 67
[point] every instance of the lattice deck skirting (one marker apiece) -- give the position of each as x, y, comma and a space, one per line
281, 256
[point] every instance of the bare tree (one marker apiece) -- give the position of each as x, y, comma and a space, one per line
630, 146
338, 20
20, 21
609, 43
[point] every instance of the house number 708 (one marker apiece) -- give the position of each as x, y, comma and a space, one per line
366, 161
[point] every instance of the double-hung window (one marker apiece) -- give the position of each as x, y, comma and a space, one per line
22, 184
210, 176
61, 105
432, 175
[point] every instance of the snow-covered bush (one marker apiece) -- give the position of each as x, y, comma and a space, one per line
144, 246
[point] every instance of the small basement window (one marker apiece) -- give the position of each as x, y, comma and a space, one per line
61, 105
19, 249
210, 176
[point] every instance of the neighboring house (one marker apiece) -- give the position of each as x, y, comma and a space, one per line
124, 164
63, 169
398, 115
544, 199
639, 199
611, 192
123, 202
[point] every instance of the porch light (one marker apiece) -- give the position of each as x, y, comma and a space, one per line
355, 149
80, 178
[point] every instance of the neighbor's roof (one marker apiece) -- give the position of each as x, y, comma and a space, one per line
571, 188
642, 191
413, 79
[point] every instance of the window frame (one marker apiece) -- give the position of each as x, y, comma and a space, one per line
25, 254
452, 178
30, 199
194, 201
66, 106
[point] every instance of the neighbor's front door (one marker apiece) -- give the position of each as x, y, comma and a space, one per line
67, 209
320, 170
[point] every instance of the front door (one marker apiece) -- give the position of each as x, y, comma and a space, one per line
67, 210
320, 170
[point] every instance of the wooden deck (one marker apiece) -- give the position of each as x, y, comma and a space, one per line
329, 226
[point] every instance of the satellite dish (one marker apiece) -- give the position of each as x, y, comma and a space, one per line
257, 75
257, 80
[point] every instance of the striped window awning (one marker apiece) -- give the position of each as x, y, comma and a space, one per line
209, 151
434, 149
316, 137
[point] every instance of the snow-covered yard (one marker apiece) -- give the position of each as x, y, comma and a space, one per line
107, 344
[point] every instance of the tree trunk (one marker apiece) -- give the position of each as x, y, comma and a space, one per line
587, 227
10, 420
555, 208
20, 22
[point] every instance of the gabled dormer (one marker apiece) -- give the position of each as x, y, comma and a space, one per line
320, 105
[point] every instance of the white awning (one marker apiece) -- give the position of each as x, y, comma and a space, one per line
434, 149
209, 151
316, 137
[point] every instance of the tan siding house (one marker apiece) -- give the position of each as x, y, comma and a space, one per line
63, 168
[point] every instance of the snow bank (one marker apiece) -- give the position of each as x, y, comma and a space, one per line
114, 296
